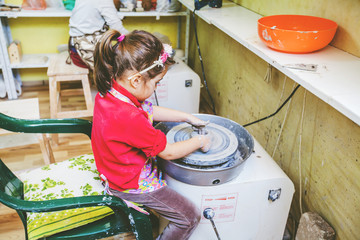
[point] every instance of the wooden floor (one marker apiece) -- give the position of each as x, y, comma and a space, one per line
29, 156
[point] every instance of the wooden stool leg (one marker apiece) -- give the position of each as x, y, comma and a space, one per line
46, 149
54, 97
55, 139
87, 94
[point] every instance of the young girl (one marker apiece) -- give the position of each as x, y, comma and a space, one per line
127, 70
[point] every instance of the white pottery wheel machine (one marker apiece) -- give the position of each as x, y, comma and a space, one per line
236, 184
231, 146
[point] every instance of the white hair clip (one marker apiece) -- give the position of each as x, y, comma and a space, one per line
167, 52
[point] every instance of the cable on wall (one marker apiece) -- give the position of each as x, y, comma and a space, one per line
268, 75
202, 65
271, 115
278, 105
282, 128
156, 99
300, 144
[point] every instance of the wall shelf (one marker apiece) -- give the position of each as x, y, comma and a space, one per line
33, 61
337, 79
59, 12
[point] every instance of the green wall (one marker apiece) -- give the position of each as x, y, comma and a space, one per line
329, 159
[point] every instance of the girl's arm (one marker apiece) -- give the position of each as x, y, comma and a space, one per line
181, 149
162, 114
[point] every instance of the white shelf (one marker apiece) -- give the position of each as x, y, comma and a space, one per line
60, 12
48, 12
337, 79
33, 61
151, 14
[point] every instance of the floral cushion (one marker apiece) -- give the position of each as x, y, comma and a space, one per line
72, 178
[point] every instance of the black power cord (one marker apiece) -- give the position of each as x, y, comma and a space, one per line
202, 65
282, 105
156, 99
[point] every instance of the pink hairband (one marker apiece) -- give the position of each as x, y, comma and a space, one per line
121, 38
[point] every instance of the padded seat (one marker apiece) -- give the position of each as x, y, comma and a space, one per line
75, 177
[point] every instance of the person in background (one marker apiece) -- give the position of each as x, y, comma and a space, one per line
125, 143
88, 22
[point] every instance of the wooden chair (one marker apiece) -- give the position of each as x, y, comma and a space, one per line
124, 219
59, 71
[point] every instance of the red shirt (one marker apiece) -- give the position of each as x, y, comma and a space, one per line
123, 139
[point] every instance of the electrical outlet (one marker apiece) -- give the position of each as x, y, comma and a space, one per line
188, 83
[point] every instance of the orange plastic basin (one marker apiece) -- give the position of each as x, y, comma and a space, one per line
296, 33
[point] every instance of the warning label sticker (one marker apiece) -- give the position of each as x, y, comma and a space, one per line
224, 206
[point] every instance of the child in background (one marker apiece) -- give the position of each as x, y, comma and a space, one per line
88, 21
124, 141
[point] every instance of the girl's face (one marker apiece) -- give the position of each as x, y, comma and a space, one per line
148, 87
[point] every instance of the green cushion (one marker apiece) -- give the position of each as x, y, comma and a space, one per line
72, 178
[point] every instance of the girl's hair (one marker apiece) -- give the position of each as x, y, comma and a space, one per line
137, 51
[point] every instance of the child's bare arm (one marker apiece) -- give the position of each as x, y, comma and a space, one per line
181, 149
162, 114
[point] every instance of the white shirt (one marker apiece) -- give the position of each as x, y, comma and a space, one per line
89, 16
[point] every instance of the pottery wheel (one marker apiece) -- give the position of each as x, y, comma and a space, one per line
224, 144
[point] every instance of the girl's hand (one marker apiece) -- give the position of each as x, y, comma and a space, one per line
206, 142
197, 122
